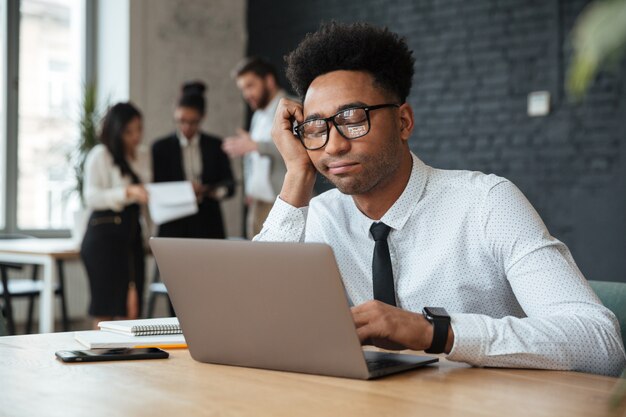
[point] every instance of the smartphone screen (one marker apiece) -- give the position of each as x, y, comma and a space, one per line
115, 354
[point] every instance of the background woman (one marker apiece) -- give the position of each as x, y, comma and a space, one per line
112, 249
191, 155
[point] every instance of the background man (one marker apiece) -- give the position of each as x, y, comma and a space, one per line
410, 238
264, 169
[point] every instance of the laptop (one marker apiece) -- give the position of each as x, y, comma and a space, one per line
279, 306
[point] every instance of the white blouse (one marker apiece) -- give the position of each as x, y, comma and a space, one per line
105, 187
192, 157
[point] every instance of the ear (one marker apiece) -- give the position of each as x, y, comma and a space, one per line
270, 81
407, 122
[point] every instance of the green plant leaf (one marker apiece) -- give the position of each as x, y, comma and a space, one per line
88, 138
598, 38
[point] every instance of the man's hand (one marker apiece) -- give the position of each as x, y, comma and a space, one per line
239, 144
392, 328
288, 144
298, 185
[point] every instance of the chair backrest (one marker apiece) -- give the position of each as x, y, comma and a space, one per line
3, 327
613, 296
4, 282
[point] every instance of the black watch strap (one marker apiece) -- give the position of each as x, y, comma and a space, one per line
441, 324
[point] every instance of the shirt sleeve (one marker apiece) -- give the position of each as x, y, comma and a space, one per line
566, 326
285, 223
97, 189
268, 148
225, 186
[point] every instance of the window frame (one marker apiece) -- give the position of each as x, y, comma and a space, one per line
10, 128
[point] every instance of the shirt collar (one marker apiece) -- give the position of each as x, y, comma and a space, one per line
399, 213
184, 142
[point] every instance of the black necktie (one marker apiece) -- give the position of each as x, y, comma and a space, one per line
382, 273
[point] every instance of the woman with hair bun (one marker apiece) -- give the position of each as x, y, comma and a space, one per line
112, 249
188, 154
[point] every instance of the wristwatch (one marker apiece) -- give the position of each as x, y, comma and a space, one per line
440, 319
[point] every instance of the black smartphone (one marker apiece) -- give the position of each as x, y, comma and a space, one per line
116, 354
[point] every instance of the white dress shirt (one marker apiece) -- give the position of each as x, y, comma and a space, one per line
192, 157
263, 119
261, 133
104, 186
473, 244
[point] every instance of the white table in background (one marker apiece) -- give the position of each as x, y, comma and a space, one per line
44, 252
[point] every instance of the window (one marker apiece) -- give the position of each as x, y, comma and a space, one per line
3, 104
51, 59
48, 46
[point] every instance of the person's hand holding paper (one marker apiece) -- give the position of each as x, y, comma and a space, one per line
171, 200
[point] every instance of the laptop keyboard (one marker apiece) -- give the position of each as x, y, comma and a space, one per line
377, 364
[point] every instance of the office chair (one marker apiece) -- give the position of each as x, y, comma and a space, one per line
613, 296
3, 326
31, 288
155, 289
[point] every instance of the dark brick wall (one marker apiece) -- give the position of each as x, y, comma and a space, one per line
476, 63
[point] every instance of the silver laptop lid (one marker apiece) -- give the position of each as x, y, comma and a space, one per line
266, 305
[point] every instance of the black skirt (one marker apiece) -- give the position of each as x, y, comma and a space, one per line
113, 254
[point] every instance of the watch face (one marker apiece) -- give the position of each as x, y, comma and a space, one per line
436, 312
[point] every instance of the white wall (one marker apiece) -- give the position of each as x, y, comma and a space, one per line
181, 40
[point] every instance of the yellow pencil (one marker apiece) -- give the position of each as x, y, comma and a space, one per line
170, 346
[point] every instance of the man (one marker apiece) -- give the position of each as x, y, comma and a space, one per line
264, 168
459, 241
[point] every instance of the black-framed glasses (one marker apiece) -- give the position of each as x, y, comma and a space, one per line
351, 123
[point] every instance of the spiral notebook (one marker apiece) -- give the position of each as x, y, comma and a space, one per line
145, 327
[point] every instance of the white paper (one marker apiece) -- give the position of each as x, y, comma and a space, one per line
171, 200
94, 339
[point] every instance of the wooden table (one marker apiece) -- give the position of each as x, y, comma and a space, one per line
33, 383
45, 252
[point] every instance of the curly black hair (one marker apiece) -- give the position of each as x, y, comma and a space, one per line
358, 47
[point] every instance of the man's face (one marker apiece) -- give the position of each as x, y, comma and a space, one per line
362, 165
255, 90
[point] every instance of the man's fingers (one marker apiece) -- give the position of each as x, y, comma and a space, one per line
373, 333
368, 311
373, 307
288, 112
389, 327
233, 146
227, 144
361, 317
298, 114
364, 333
